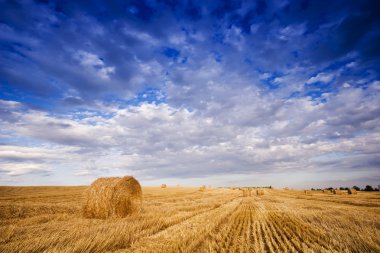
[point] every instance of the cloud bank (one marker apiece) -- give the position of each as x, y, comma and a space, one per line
190, 92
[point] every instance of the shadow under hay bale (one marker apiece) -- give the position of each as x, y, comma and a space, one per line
112, 197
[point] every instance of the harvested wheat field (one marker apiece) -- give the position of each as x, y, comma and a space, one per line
179, 219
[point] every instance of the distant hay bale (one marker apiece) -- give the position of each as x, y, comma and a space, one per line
163, 186
326, 191
286, 188
352, 191
307, 192
246, 192
338, 192
259, 192
112, 197
202, 188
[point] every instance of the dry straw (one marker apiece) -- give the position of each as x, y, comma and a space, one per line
112, 197
352, 191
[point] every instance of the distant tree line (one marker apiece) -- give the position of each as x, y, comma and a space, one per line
368, 188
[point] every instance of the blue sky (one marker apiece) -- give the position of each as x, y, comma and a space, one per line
282, 93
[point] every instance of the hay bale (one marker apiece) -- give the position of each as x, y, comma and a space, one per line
352, 191
202, 188
307, 192
246, 192
338, 192
112, 197
259, 192
163, 186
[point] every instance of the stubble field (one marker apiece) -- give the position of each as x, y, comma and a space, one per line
181, 219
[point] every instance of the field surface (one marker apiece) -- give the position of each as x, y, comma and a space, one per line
179, 219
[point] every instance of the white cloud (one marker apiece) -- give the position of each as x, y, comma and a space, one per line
321, 77
346, 85
257, 134
12, 169
94, 63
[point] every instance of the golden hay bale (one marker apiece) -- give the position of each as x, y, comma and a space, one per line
307, 192
246, 192
338, 192
286, 188
112, 197
352, 191
163, 186
259, 192
202, 188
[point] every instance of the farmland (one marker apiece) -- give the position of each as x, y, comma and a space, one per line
184, 219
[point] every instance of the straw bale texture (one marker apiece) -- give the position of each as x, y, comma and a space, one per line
112, 197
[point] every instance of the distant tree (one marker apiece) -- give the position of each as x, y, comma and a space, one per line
341, 188
330, 188
312, 189
356, 188
368, 188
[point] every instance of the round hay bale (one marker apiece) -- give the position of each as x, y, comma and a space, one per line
338, 192
247, 192
163, 186
202, 188
112, 197
307, 192
259, 192
352, 191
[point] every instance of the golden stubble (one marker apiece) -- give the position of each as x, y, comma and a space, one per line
185, 219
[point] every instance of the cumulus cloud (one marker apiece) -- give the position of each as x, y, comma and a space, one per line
188, 91
321, 77
158, 140
93, 62
19, 169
